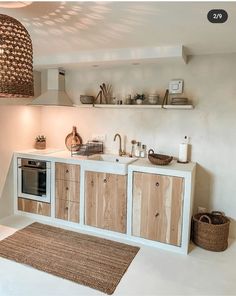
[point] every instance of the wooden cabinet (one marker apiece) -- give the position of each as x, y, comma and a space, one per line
33, 206
105, 201
157, 207
67, 192
67, 210
65, 171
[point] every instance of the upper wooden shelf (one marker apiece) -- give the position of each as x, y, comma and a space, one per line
176, 107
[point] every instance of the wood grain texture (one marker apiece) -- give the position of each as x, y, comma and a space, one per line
68, 190
157, 207
69, 172
35, 207
106, 201
67, 210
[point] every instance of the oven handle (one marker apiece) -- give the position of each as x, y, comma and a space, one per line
31, 169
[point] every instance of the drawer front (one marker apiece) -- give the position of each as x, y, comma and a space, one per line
35, 207
68, 190
69, 172
67, 210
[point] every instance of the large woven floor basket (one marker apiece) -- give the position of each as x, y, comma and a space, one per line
211, 231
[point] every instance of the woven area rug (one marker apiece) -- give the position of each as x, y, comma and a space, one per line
84, 259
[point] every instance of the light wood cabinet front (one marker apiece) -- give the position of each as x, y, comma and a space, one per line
157, 207
67, 192
105, 201
67, 210
65, 171
33, 206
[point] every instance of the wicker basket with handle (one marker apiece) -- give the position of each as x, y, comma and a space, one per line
159, 159
211, 231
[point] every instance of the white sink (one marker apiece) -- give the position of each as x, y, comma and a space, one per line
109, 163
113, 158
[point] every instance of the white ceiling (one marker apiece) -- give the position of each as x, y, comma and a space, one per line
60, 28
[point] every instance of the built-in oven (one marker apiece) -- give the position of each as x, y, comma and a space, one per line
34, 179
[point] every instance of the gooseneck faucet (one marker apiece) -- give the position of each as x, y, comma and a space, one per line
120, 149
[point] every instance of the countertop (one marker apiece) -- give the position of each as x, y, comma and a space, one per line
138, 165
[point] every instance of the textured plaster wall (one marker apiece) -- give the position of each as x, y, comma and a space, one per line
18, 127
209, 82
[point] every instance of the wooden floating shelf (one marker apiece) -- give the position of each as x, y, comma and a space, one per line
175, 107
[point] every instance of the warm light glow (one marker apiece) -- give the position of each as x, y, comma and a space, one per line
17, 4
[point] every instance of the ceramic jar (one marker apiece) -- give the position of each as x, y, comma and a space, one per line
153, 99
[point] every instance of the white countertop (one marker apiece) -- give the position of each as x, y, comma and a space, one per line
51, 153
174, 165
59, 155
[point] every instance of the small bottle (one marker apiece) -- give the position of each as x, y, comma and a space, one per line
132, 154
128, 100
138, 149
143, 152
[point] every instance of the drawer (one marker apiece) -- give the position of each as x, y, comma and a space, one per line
68, 190
67, 210
70, 172
33, 206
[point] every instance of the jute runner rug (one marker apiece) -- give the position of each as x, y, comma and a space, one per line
84, 259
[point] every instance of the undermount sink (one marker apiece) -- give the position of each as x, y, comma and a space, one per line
110, 163
113, 158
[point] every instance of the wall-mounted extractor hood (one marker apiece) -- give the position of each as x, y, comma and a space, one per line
55, 94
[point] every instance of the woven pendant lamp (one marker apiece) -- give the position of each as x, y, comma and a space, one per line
16, 59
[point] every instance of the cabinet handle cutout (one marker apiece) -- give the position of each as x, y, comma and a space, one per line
157, 184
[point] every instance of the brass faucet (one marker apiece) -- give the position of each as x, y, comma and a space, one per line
121, 152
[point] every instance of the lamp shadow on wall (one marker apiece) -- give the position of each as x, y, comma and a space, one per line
7, 194
203, 188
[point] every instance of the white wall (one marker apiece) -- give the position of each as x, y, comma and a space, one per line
209, 82
18, 127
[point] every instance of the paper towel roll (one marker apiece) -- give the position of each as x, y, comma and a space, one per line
183, 152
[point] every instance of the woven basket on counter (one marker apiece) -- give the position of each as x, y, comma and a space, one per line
211, 231
159, 159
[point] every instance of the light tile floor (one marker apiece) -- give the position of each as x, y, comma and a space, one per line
153, 272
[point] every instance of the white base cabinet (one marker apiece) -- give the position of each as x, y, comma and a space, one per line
152, 205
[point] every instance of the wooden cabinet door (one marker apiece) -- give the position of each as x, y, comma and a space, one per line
105, 201
65, 171
157, 207
67, 210
33, 206
68, 190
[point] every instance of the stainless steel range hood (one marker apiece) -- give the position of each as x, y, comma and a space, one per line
55, 94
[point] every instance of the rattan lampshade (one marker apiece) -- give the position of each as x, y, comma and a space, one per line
16, 59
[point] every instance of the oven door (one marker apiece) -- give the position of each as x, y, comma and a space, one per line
34, 183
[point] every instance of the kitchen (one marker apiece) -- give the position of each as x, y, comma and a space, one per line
208, 77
